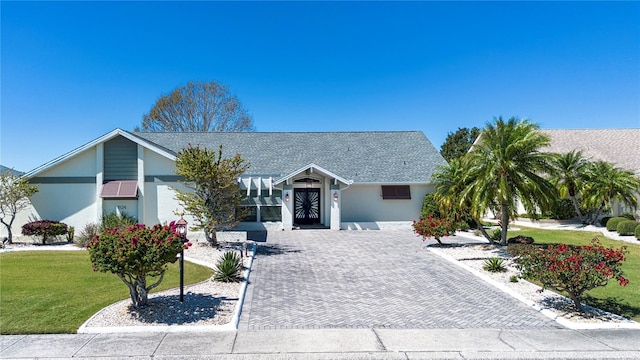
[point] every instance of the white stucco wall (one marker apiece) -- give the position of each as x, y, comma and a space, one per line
83, 164
161, 203
364, 203
127, 207
72, 204
156, 164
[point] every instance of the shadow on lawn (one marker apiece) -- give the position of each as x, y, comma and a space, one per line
613, 305
168, 310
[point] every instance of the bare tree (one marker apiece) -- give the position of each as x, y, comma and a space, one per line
198, 106
14, 197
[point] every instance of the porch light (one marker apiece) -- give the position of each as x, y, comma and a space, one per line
335, 196
286, 197
181, 228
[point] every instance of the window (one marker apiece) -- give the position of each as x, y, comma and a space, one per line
252, 214
262, 206
270, 213
398, 192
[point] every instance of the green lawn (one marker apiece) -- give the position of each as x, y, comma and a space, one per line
55, 291
624, 301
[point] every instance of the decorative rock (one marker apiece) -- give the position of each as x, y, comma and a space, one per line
520, 240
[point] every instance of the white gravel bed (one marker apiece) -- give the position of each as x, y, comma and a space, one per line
560, 307
206, 303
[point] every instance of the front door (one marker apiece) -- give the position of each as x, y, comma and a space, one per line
306, 206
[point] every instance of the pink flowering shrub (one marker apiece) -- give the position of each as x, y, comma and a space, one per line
432, 227
573, 269
135, 253
44, 228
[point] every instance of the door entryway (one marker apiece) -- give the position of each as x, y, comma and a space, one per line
306, 206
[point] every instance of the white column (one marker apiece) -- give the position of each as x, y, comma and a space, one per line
335, 209
99, 179
287, 208
141, 184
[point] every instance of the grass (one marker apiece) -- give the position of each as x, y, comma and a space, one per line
55, 292
614, 298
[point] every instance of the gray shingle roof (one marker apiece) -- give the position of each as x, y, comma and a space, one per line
618, 146
4, 169
364, 157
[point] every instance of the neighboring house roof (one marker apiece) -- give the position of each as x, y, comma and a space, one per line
618, 146
4, 169
361, 157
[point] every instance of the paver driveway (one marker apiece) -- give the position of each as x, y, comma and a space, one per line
370, 279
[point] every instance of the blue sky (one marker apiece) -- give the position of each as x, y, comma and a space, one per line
73, 71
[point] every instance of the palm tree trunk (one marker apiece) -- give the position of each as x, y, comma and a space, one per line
505, 224
483, 231
576, 206
596, 214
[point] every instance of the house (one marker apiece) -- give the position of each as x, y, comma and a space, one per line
620, 147
334, 180
4, 169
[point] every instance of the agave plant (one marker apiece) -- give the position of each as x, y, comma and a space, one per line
494, 264
229, 268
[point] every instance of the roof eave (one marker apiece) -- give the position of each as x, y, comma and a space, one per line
315, 168
102, 139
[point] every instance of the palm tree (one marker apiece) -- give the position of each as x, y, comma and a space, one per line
569, 173
450, 182
608, 183
505, 167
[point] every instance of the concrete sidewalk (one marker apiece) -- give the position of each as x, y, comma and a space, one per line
332, 344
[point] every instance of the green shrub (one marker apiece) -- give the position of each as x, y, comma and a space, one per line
463, 226
71, 233
44, 228
514, 278
563, 210
429, 207
628, 216
627, 227
494, 264
115, 221
612, 224
574, 269
496, 234
88, 232
637, 231
229, 268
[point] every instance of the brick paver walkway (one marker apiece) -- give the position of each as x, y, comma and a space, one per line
370, 279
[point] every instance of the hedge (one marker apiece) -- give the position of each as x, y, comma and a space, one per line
627, 227
612, 224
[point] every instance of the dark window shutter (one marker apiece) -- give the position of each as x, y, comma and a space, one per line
396, 192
